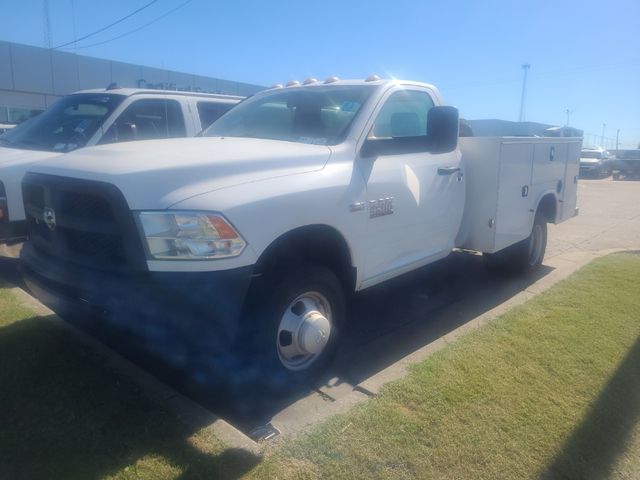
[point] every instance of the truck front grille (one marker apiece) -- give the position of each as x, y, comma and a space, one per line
84, 222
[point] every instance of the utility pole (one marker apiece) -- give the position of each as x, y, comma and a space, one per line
568, 112
525, 68
617, 138
46, 24
604, 126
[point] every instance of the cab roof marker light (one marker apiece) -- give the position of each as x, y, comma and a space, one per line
332, 79
277, 85
310, 80
293, 83
372, 78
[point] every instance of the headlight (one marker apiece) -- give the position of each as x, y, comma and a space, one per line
189, 235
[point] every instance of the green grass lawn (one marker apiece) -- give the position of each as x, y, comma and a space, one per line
551, 390
63, 415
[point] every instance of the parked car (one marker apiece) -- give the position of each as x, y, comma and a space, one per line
247, 242
627, 164
5, 127
595, 161
96, 117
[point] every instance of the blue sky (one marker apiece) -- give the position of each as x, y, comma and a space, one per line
584, 56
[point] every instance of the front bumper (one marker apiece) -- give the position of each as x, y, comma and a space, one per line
590, 167
13, 232
178, 317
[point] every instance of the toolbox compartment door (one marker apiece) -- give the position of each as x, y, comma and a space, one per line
569, 194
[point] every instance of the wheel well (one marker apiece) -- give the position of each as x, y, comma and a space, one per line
318, 244
548, 207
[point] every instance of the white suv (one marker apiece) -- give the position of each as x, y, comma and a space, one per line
96, 117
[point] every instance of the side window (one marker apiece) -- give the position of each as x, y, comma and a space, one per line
147, 119
403, 115
209, 112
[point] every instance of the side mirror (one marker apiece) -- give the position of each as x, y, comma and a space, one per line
443, 125
126, 132
442, 137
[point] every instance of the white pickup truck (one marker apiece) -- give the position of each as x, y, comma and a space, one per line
248, 241
95, 117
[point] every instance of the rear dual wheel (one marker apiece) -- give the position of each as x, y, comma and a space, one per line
525, 256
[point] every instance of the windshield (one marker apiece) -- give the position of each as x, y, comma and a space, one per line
590, 154
317, 115
66, 125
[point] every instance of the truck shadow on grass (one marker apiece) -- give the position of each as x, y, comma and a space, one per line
601, 437
63, 414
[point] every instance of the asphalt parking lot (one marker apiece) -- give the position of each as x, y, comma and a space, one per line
392, 320
609, 218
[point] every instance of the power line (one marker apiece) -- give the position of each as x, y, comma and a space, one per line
108, 26
139, 28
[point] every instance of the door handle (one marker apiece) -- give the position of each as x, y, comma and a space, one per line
448, 170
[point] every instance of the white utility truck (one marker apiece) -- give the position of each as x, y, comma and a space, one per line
95, 117
248, 241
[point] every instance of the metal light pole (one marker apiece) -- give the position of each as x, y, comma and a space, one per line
46, 24
525, 68
604, 126
568, 112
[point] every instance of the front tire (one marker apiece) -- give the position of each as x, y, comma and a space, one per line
525, 256
291, 326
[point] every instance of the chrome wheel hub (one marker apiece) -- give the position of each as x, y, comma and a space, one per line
304, 331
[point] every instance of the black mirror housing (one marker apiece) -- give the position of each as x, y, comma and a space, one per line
443, 125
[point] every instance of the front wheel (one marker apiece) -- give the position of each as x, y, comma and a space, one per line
291, 325
522, 257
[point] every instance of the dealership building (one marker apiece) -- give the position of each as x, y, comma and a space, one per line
32, 78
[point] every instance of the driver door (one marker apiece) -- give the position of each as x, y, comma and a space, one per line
415, 200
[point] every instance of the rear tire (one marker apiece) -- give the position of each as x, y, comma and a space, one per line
525, 256
291, 327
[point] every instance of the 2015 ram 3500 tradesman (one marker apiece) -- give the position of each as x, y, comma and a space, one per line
250, 239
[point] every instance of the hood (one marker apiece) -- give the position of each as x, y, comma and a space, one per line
160, 173
14, 156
